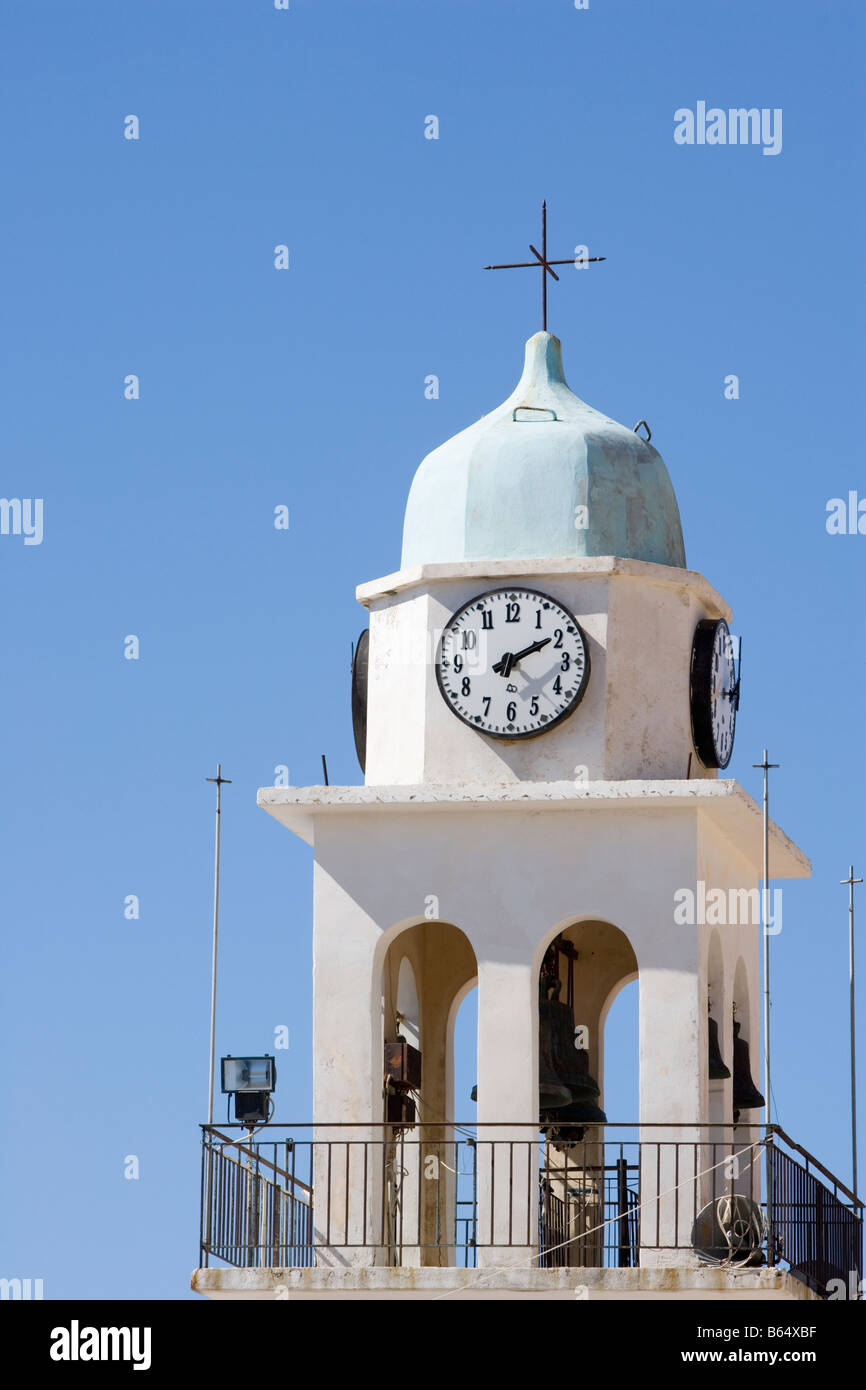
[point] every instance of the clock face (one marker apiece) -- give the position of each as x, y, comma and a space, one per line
512, 663
715, 693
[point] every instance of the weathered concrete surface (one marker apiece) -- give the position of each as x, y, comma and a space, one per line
633, 721
451, 1285
724, 804
512, 865
511, 484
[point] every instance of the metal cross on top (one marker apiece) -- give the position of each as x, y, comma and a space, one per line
545, 264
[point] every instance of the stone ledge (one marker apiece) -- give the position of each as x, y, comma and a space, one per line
724, 801
459, 1285
420, 576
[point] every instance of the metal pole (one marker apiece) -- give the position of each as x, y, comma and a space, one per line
771, 1178
851, 880
207, 1134
219, 779
765, 915
624, 1252
767, 937
252, 1213
544, 266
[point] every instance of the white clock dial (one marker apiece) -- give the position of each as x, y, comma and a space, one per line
512, 663
721, 696
715, 693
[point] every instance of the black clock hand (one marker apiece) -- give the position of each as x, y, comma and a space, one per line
510, 659
527, 651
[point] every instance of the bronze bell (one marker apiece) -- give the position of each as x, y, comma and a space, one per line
552, 1091
717, 1069
569, 1065
572, 1064
584, 1112
574, 1070
746, 1094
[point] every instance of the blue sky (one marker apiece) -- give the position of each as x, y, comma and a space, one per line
306, 388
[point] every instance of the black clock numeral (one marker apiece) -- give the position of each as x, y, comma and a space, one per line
486, 699
558, 635
533, 708
511, 712
512, 612
566, 661
458, 662
469, 641
487, 619
466, 686
557, 685
538, 617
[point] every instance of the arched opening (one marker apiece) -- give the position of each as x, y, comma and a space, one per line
621, 1080
465, 1176
465, 1053
586, 965
718, 1036
746, 1098
428, 971
587, 976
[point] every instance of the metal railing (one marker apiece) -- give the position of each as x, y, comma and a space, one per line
594, 1199
814, 1231
736, 1196
256, 1211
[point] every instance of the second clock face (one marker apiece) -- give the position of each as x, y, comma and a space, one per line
715, 692
512, 663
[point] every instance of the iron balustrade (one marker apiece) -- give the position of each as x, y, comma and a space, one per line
256, 1211
815, 1233
444, 1194
600, 1198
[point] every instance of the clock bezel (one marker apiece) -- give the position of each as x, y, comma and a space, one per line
551, 723
360, 682
700, 694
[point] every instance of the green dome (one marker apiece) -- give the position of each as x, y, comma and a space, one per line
513, 485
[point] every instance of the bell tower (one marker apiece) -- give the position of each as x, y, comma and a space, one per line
543, 703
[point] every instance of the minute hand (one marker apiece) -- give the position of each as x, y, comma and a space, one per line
510, 659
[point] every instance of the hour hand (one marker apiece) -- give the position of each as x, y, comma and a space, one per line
510, 659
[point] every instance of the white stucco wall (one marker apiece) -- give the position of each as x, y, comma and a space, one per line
633, 721
511, 870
